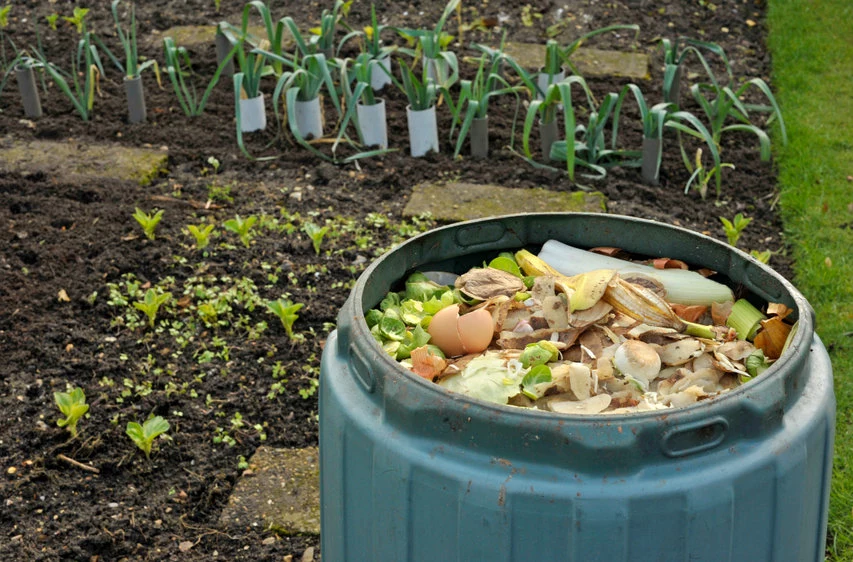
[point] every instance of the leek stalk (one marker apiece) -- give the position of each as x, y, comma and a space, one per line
682, 286
745, 319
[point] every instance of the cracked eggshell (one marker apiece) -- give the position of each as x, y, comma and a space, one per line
458, 335
444, 332
476, 330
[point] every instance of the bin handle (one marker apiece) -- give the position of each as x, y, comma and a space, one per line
362, 369
695, 437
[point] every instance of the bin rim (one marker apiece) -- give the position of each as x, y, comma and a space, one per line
795, 355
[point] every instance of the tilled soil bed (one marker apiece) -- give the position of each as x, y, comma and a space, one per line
217, 364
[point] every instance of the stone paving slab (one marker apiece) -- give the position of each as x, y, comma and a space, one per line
590, 62
82, 160
194, 36
465, 201
281, 492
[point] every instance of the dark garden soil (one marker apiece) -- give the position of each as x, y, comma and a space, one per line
219, 367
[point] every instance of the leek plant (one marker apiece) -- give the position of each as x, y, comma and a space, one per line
720, 103
556, 56
546, 110
431, 44
653, 120
371, 38
131, 67
355, 87
589, 144
474, 96
657, 118
322, 38
324, 35
252, 69
274, 31
86, 62
674, 55
422, 93
179, 66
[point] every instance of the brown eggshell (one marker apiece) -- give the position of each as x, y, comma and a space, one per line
444, 332
476, 330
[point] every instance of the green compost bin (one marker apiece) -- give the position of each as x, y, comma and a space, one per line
411, 472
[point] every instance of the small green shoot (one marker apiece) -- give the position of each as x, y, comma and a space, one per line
201, 233
77, 18
144, 435
242, 227
4, 16
763, 257
286, 311
51, 20
316, 233
734, 228
151, 303
147, 221
213, 161
73, 406
700, 175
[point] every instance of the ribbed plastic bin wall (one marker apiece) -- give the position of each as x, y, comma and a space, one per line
410, 472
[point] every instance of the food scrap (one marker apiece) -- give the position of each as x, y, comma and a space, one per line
607, 341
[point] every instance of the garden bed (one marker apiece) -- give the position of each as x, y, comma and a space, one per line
229, 379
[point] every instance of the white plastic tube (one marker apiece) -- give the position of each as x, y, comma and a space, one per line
682, 286
309, 118
378, 77
423, 131
543, 80
371, 119
253, 115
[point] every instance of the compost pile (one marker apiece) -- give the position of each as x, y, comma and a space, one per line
613, 340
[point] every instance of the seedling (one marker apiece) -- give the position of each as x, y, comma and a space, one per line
4, 16
734, 228
73, 406
241, 227
148, 222
77, 17
700, 175
763, 257
201, 233
144, 435
316, 234
151, 304
51, 20
286, 312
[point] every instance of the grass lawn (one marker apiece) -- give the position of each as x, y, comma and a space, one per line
812, 48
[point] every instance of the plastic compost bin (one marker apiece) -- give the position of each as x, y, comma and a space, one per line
412, 472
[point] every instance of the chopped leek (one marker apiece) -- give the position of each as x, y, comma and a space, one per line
745, 319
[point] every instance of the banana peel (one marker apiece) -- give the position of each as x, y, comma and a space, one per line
586, 289
583, 290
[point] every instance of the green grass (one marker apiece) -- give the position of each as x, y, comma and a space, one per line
812, 49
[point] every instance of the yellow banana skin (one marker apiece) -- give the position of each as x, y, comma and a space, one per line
583, 290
